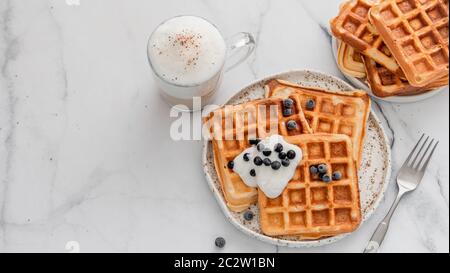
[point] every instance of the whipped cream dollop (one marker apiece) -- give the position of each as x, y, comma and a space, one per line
270, 178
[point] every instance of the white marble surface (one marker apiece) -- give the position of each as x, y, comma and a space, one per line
85, 152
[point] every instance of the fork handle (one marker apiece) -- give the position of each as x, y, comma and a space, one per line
379, 234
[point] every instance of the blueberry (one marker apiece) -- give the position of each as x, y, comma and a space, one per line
288, 103
246, 157
337, 175
287, 112
258, 161
310, 104
260, 147
253, 172
219, 242
267, 152
230, 164
322, 168
285, 162
290, 154
248, 215
276, 165
282, 155
278, 147
313, 169
326, 178
267, 161
291, 125
254, 141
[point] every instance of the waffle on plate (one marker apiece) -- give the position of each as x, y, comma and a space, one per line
334, 112
245, 119
416, 32
309, 207
352, 26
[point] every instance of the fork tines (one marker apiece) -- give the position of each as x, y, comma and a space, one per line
420, 157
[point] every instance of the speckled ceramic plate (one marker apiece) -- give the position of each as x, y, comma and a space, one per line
374, 172
361, 84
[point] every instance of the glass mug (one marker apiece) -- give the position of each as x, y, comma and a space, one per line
188, 56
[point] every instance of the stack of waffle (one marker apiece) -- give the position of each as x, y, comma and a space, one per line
399, 46
331, 133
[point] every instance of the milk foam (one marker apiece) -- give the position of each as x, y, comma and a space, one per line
186, 50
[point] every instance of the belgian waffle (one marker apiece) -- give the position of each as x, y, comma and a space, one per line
384, 83
352, 26
417, 34
350, 61
309, 207
247, 123
335, 112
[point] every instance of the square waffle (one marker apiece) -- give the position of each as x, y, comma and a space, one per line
335, 112
247, 123
309, 207
350, 61
352, 26
416, 32
384, 83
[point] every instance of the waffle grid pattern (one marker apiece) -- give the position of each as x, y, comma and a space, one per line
333, 113
248, 117
352, 26
308, 206
417, 33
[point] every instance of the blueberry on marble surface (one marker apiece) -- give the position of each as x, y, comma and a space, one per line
219, 242
258, 161
290, 154
291, 125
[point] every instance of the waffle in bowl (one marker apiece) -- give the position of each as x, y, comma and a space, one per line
350, 61
352, 26
247, 122
416, 32
308, 207
384, 83
334, 112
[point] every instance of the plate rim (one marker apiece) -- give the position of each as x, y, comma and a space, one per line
285, 242
395, 99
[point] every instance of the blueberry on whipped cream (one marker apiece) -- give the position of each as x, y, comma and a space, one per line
278, 148
230, 165
270, 174
254, 141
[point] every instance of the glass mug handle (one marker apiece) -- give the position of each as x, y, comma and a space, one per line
240, 47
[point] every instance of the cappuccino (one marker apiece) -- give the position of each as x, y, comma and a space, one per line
186, 51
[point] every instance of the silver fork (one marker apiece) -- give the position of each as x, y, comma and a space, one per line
408, 178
